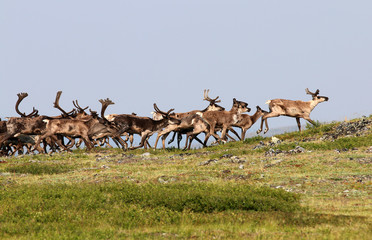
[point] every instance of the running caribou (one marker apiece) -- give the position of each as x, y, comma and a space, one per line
290, 108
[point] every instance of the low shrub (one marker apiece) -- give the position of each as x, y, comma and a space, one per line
175, 197
126, 205
210, 198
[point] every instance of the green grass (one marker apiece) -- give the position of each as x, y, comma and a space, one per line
38, 168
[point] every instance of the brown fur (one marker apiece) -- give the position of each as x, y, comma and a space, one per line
297, 109
247, 121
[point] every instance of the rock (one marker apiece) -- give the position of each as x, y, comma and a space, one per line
356, 128
146, 154
369, 150
166, 179
233, 158
366, 160
101, 159
275, 140
273, 163
239, 177
241, 166
227, 171
208, 162
297, 149
180, 156
260, 145
341, 150
273, 152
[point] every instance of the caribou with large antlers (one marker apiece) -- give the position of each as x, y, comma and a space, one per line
143, 126
290, 108
29, 124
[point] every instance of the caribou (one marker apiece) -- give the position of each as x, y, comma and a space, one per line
144, 126
247, 121
290, 108
130, 136
224, 119
28, 124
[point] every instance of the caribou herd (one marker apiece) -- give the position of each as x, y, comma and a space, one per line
34, 133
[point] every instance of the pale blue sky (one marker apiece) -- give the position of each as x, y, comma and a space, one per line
141, 52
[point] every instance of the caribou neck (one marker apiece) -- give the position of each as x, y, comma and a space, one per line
159, 124
256, 116
313, 104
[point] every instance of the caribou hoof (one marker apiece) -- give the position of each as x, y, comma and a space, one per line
266, 130
259, 130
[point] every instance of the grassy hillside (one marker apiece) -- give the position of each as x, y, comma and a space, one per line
310, 185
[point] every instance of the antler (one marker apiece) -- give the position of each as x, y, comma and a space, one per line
76, 104
21, 96
310, 93
161, 112
56, 105
93, 113
105, 103
34, 113
207, 98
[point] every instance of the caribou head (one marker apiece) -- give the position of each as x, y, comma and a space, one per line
316, 97
213, 106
